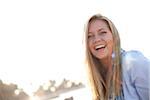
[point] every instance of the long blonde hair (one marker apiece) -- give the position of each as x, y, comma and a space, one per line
101, 90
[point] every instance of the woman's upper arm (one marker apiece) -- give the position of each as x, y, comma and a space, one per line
140, 76
136, 69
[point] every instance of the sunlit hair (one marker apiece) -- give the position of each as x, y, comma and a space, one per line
100, 89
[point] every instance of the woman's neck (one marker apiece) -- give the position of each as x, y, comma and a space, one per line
106, 70
106, 63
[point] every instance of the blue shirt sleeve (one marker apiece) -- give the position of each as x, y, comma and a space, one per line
136, 78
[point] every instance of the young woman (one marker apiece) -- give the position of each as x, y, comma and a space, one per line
114, 74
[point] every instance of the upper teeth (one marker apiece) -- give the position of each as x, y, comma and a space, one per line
99, 46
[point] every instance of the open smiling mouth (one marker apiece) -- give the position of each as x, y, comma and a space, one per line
100, 47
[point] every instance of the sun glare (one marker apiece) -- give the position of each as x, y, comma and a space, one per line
17, 92
34, 98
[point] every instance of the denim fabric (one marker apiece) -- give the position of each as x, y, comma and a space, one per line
136, 69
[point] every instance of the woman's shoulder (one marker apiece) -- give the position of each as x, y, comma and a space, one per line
136, 68
134, 57
132, 54
135, 63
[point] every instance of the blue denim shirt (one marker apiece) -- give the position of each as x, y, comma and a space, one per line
136, 68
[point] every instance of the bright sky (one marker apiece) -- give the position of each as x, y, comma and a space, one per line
41, 40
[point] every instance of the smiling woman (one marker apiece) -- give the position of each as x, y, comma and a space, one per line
114, 74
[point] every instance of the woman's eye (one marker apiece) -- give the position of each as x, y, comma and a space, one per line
102, 33
89, 36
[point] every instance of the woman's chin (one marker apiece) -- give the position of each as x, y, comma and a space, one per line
102, 56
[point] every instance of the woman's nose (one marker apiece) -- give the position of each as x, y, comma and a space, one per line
97, 39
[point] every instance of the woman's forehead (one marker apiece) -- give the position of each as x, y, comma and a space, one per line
97, 24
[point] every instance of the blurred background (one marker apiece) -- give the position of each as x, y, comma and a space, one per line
41, 50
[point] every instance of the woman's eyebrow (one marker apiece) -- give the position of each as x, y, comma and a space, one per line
90, 32
101, 29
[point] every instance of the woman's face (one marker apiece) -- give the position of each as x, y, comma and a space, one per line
100, 40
